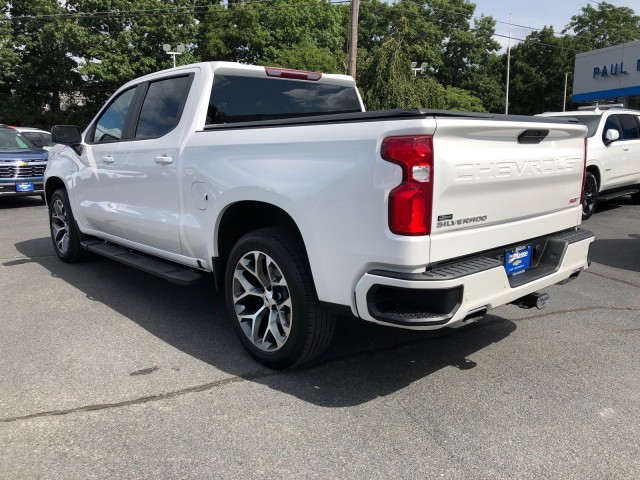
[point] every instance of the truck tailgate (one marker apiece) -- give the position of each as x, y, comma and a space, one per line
491, 188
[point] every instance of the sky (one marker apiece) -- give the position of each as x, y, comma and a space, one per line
537, 14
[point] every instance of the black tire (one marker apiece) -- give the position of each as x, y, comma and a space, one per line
589, 195
64, 231
268, 279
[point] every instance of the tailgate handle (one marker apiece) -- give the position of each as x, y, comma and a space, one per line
532, 136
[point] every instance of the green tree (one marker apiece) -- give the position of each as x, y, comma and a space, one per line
538, 68
275, 32
604, 26
468, 63
460, 99
387, 81
8, 56
439, 34
118, 47
44, 74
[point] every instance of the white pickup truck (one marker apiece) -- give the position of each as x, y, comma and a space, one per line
302, 206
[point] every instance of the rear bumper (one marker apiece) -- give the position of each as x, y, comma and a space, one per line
453, 292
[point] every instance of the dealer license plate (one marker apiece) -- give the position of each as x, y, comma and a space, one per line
24, 187
517, 260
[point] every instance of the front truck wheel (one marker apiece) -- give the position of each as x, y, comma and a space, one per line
271, 300
64, 231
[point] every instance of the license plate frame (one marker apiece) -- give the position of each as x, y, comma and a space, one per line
25, 187
517, 259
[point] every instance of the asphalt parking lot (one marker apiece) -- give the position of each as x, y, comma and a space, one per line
106, 372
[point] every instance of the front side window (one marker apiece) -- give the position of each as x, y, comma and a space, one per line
248, 99
110, 125
162, 107
612, 123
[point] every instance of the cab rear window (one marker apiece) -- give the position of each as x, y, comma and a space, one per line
248, 99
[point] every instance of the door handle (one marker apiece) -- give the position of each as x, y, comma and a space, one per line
626, 149
108, 159
163, 160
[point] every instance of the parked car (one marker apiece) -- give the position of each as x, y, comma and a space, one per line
40, 138
22, 164
613, 153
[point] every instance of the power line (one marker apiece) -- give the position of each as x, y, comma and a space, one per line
265, 5
407, 14
204, 9
556, 34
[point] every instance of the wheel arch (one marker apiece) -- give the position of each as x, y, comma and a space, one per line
242, 217
595, 171
52, 184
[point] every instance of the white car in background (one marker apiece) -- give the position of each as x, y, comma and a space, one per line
40, 138
613, 153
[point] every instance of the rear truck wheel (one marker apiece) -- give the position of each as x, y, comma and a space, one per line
272, 302
589, 196
64, 231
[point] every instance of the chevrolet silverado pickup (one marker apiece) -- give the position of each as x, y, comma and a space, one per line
304, 207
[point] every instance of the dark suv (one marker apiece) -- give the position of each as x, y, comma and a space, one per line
22, 164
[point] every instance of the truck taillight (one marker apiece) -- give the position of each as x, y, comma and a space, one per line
584, 170
410, 202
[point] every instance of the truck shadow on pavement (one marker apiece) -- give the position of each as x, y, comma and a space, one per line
20, 202
364, 361
623, 254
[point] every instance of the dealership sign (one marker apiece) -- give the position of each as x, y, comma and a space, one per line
607, 73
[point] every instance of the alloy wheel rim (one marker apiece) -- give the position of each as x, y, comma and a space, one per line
60, 226
589, 196
262, 301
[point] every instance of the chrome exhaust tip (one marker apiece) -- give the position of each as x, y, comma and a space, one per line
536, 299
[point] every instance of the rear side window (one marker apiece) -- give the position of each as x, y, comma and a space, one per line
629, 127
162, 107
248, 99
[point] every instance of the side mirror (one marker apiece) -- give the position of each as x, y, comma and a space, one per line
611, 136
66, 134
38, 143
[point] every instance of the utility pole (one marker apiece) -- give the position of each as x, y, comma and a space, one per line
564, 101
353, 37
506, 106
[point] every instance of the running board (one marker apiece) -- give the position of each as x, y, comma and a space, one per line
617, 193
172, 272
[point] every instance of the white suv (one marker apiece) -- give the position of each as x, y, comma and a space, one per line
613, 153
